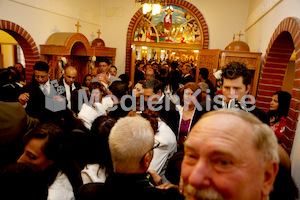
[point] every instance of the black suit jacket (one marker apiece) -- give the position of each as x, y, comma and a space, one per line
126, 186
74, 100
186, 79
260, 114
36, 106
167, 111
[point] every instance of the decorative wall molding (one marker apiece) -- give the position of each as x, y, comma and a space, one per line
63, 9
262, 9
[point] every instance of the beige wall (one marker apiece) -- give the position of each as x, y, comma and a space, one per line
258, 36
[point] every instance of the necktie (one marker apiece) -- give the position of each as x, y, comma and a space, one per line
71, 95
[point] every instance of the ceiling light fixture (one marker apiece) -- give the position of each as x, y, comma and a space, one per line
152, 5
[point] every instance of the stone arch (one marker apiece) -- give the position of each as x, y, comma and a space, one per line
284, 41
30, 49
181, 3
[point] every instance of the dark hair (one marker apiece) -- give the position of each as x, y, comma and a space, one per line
155, 84
52, 135
284, 99
57, 149
124, 78
204, 72
84, 80
99, 148
5, 76
41, 66
104, 60
15, 77
118, 88
22, 181
23, 69
113, 67
193, 86
234, 70
64, 119
96, 85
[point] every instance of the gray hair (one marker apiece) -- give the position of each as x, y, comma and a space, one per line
263, 136
129, 140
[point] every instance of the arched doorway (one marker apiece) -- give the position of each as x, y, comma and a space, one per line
284, 41
139, 14
30, 50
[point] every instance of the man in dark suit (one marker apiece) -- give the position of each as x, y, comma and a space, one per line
236, 80
35, 94
14, 123
186, 76
156, 100
71, 88
203, 77
138, 73
131, 144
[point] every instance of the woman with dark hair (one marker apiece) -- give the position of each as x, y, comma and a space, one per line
21, 70
45, 148
86, 82
278, 111
99, 160
165, 139
16, 76
188, 114
97, 105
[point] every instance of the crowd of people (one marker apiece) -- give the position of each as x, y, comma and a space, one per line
164, 136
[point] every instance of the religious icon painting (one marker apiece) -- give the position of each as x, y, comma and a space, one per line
173, 24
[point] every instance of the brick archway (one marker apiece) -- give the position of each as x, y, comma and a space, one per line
180, 3
30, 50
284, 41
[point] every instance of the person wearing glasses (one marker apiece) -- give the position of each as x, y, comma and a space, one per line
34, 94
113, 71
131, 143
149, 74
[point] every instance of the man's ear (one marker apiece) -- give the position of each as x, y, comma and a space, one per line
159, 93
147, 160
248, 89
271, 171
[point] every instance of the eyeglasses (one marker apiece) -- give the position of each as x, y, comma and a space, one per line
156, 144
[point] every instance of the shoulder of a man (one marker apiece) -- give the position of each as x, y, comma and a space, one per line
91, 191
262, 115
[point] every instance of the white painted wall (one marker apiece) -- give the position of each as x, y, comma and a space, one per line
60, 16
259, 35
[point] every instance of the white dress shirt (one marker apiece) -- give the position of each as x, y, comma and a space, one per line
68, 94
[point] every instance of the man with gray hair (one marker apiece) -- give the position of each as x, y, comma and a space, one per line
131, 143
229, 154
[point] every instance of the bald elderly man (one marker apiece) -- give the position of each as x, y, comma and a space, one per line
71, 88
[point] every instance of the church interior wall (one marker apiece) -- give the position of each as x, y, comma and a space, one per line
258, 36
41, 20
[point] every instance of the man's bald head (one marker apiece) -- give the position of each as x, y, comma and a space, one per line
70, 75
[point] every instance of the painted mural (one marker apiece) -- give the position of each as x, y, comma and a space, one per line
173, 25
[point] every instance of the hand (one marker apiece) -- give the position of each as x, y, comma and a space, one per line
58, 98
23, 98
156, 178
166, 186
104, 78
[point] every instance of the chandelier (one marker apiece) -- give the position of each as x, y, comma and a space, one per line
152, 5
